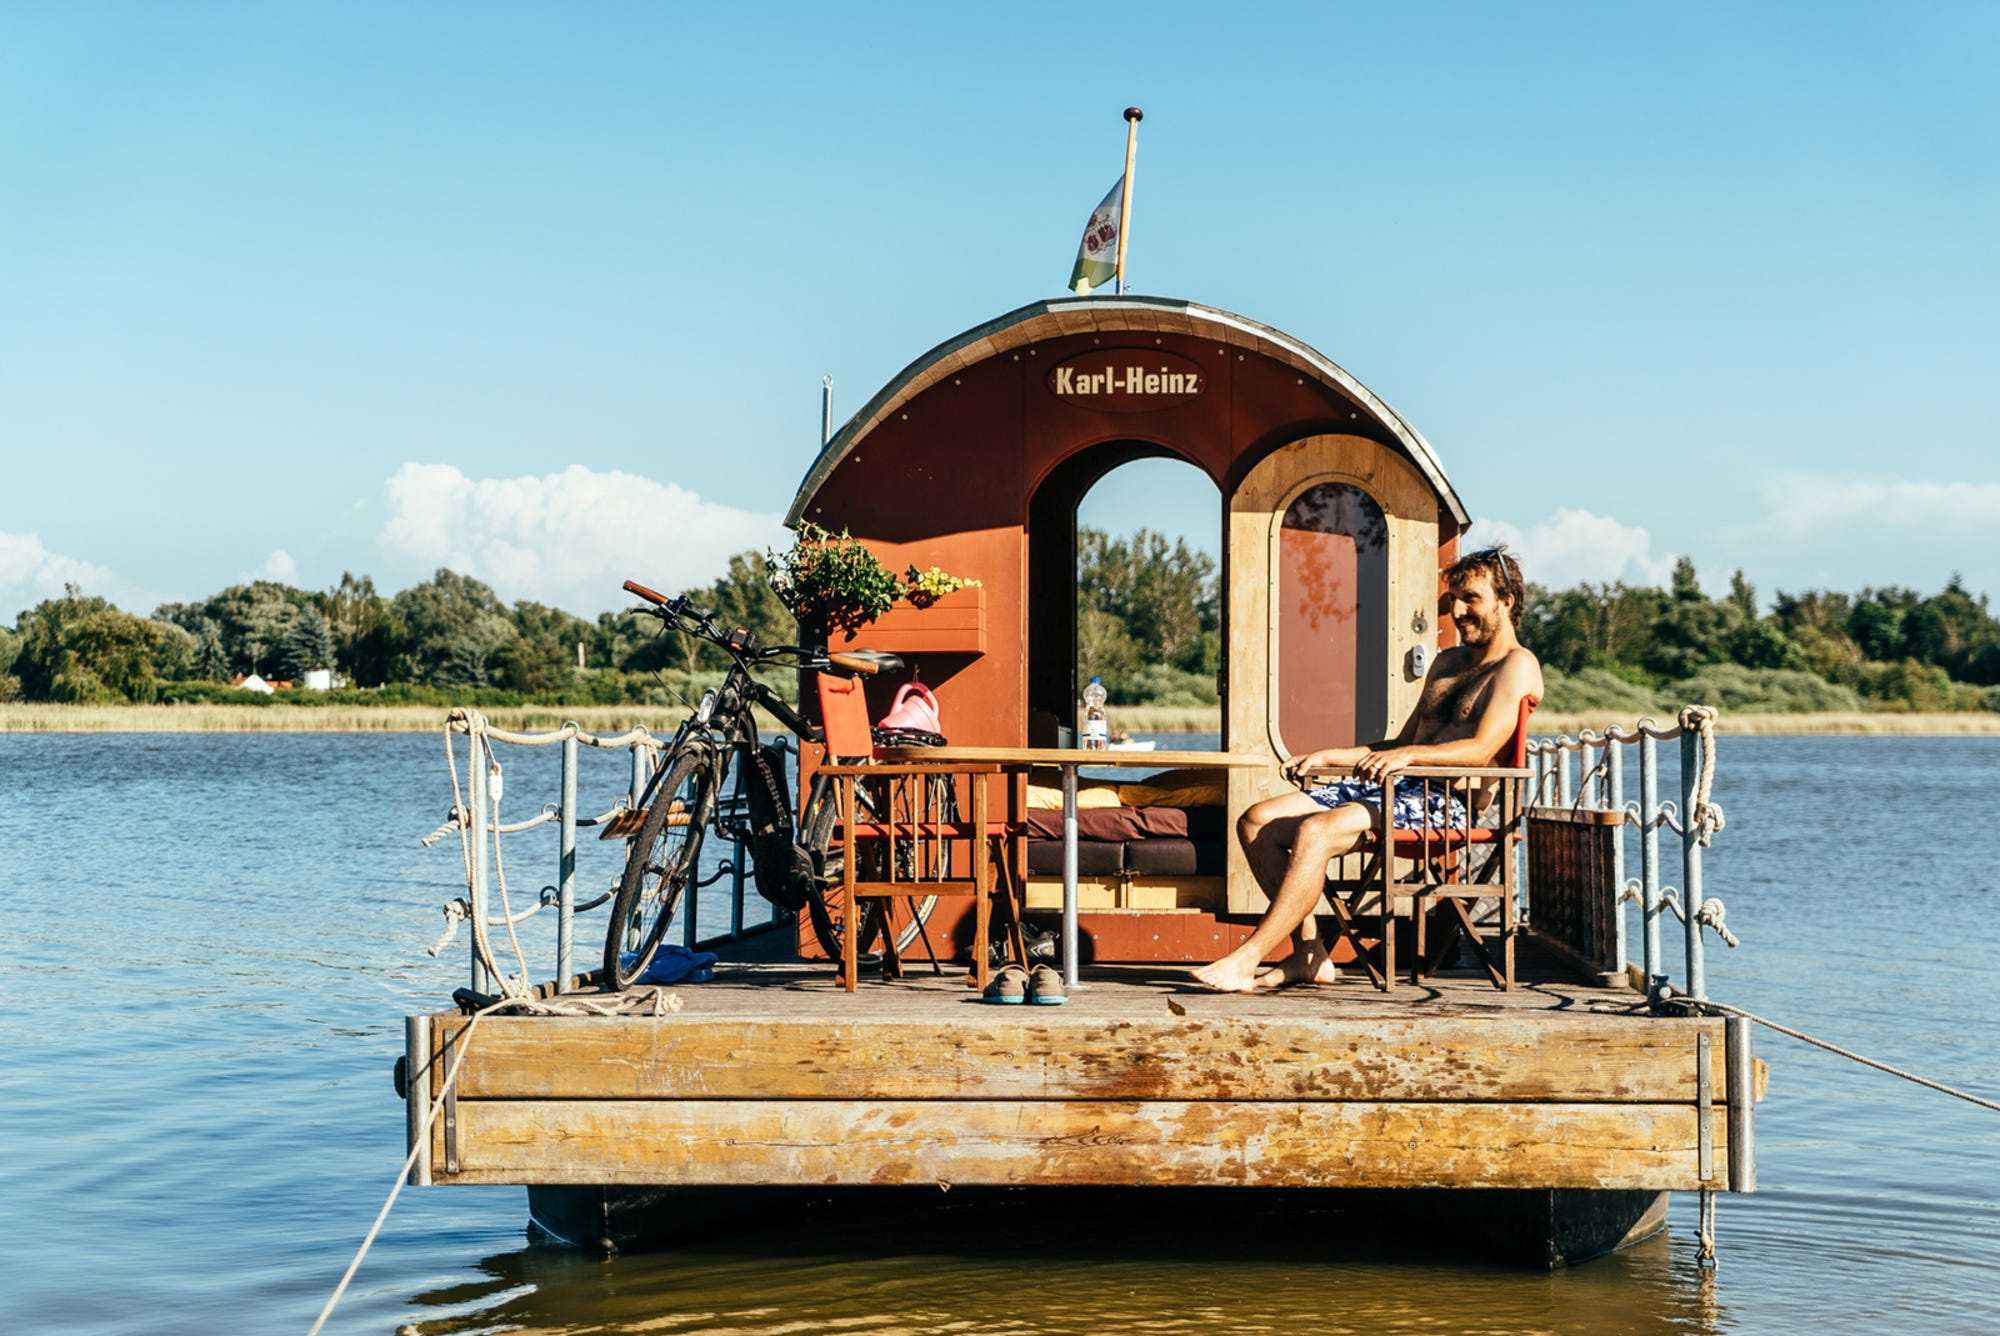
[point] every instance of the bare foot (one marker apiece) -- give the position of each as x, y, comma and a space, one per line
1301, 968
1234, 973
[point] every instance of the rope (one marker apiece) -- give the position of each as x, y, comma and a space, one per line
421, 1140
1711, 914
662, 1003
1705, 1234
455, 913
1705, 815
1703, 1003
463, 720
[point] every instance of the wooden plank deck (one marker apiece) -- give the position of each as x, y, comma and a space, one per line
771, 1075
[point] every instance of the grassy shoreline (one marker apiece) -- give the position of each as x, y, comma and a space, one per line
34, 718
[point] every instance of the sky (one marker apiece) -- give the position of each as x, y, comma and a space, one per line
544, 292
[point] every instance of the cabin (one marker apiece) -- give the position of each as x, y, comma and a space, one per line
1334, 514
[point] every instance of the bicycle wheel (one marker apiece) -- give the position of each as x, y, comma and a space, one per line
662, 862
826, 906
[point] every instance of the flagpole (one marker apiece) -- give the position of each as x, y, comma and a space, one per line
1132, 118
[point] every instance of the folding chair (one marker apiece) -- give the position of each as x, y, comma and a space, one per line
1440, 863
919, 831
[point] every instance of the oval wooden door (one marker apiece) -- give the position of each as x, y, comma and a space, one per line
1330, 610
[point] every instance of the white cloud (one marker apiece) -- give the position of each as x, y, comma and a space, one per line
567, 538
280, 566
30, 573
1805, 508
1849, 532
1573, 546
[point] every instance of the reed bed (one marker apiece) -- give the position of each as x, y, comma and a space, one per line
21, 718
34, 718
1858, 723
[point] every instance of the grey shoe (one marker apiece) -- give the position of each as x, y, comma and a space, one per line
1045, 986
1008, 986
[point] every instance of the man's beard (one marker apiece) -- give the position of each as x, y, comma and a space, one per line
1478, 631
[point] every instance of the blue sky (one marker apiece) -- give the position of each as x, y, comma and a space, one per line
544, 292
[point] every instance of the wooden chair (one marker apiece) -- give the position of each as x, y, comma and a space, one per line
921, 833
1439, 859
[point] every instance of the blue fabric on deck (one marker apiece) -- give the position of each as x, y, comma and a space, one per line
1444, 810
674, 964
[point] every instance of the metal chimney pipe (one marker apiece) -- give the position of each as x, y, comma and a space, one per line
825, 409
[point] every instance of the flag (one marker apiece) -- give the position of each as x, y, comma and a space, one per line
1097, 257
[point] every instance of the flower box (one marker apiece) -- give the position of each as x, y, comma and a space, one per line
954, 624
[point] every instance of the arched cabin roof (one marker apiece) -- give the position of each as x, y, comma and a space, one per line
1066, 316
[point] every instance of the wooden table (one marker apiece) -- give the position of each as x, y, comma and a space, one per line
1070, 760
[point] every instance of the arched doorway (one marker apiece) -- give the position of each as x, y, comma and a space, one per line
1058, 653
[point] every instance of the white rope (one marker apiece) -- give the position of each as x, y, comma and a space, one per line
661, 1002
455, 913
418, 1142
1706, 816
1677, 995
464, 720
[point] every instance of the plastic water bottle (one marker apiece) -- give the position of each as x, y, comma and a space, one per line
1096, 728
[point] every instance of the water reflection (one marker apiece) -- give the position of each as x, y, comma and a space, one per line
1011, 1263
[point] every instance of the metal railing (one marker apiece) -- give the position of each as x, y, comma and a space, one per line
475, 817
1600, 786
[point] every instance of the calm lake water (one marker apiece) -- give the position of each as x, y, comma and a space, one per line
211, 941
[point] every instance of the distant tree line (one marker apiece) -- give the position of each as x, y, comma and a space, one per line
1886, 648
1149, 623
449, 637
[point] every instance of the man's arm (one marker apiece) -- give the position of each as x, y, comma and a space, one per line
1517, 678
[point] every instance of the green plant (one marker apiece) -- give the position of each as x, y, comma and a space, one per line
834, 583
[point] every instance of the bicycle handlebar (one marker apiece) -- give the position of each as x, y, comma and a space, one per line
683, 614
650, 595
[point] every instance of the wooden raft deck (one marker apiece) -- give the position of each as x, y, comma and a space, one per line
770, 1075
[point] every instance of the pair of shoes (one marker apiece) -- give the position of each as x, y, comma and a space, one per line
1041, 946
1045, 986
1008, 986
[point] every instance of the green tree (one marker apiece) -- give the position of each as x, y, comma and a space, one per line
85, 651
542, 655
1876, 621
454, 628
1163, 598
308, 645
1692, 630
367, 638
251, 622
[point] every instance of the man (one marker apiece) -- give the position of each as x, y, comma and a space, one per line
1466, 716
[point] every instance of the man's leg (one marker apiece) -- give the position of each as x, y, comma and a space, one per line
1267, 830
1320, 837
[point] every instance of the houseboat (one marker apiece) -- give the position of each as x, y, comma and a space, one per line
1552, 1103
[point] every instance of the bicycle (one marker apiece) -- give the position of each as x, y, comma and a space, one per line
796, 868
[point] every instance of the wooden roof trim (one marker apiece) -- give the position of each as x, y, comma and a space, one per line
1064, 316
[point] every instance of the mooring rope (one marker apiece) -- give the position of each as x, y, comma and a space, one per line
1676, 995
421, 1140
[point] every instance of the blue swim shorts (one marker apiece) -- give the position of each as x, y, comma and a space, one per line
1444, 808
